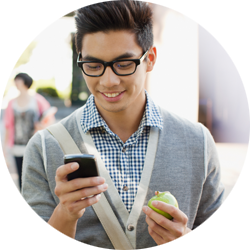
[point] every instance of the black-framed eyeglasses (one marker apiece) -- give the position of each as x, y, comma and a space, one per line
120, 67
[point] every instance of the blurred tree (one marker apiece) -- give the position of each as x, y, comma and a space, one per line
79, 87
47, 91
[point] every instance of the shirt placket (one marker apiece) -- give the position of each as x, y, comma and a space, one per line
124, 167
127, 188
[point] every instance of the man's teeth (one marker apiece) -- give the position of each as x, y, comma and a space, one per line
111, 95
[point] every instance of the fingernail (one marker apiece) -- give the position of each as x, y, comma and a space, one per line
74, 166
98, 196
155, 203
104, 186
100, 180
145, 208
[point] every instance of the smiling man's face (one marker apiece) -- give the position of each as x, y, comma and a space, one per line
115, 93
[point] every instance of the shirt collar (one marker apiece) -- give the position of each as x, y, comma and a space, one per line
153, 116
92, 119
90, 116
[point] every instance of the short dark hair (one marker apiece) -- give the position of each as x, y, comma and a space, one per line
135, 16
26, 79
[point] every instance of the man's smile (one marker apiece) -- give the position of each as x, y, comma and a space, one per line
113, 96
111, 93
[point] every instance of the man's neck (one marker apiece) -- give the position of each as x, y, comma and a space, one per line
126, 122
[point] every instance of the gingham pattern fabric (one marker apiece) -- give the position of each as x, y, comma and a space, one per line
124, 161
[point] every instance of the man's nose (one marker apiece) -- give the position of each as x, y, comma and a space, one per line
109, 78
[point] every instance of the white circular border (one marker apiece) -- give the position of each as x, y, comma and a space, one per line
227, 21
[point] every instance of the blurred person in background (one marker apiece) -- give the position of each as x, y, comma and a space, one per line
22, 118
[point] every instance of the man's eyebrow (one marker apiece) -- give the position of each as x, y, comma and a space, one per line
123, 56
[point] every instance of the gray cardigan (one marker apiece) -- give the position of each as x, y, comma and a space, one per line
186, 164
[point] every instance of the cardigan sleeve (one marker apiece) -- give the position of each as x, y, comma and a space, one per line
35, 186
213, 189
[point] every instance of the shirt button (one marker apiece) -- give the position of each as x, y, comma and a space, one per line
130, 227
124, 150
103, 131
125, 188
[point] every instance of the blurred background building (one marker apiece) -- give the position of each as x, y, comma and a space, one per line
194, 77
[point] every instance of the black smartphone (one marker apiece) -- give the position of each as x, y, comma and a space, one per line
87, 165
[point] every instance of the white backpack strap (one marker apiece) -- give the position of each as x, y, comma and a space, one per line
205, 150
102, 208
41, 132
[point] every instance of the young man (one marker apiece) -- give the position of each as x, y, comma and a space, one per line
144, 148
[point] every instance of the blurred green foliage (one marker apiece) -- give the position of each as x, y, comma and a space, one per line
50, 83
48, 91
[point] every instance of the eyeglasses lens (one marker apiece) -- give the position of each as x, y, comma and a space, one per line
121, 68
94, 68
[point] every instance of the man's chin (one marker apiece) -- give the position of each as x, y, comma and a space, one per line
111, 108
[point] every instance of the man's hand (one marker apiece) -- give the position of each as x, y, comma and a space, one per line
161, 229
74, 197
74, 194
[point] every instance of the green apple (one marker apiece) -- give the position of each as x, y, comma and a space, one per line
166, 197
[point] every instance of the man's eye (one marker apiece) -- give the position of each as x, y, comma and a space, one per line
92, 66
124, 64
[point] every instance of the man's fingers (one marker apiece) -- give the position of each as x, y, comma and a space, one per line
64, 170
77, 194
84, 203
175, 212
156, 237
155, 227
159, 234
158, 218
176, 229
83, 193
76, 184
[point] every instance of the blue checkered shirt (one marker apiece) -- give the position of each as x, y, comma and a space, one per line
124, 161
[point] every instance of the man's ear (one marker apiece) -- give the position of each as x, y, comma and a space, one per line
152, 55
